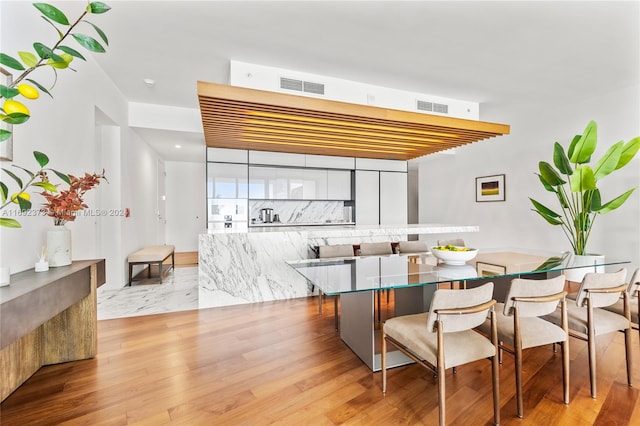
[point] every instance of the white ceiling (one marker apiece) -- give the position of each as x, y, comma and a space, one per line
496, 53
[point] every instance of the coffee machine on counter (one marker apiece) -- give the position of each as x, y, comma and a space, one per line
266, 215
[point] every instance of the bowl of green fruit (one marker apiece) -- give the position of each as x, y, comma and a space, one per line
454, 255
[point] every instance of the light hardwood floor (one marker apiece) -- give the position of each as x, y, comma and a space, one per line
281, 362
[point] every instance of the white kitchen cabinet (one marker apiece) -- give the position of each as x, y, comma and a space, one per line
225, 180
338, 184
315, 184
226, 155
367, 197
329, 162
276, 158
381, 165
393, 198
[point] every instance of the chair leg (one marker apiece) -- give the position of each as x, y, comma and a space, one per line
384, 361
518, 368
517, 349
441, 394
591, 343
565, 370
627, 345
495, 369
440, 372
319, 302
336, 321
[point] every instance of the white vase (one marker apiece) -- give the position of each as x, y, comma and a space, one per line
588, 260
59, 246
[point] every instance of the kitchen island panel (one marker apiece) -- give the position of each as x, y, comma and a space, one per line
249, 265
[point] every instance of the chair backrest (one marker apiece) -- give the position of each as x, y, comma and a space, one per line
455, 299
371, 249
634, 284
601, 280
337, 250
459, 242
521, 287
412, 247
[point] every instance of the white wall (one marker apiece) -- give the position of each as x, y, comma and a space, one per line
65, 129
447, 182
186, 204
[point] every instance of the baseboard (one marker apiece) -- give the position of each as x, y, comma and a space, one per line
186, 258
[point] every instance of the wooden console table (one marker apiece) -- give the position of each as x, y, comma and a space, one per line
48, 318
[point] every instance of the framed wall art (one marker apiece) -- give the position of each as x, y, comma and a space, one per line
6, 146
490, 188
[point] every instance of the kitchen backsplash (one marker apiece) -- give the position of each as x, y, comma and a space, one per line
302, 212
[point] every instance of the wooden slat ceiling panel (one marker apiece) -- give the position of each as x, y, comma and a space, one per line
241, 118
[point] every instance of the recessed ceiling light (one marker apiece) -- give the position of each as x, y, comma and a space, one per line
149, 82
178, 146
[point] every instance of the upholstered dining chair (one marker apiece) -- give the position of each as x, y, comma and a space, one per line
337, 250
633, 294
444, 337
587, 318
459, 242
375, 249
412, 247
520, 326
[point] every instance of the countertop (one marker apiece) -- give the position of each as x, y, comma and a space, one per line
320, 231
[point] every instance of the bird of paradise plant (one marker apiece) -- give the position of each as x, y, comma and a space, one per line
574, 183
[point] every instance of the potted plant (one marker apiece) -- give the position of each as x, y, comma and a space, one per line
575, 185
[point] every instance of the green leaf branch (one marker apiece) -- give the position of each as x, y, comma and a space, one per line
574, 183
21, 196
59, 56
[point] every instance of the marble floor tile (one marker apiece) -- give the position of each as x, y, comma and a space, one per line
178, 292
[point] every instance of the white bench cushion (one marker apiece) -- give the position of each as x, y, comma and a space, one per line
151, 254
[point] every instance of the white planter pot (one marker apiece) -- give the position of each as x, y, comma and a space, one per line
59, 246
588, 260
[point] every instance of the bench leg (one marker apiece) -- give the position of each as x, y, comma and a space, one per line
130, 274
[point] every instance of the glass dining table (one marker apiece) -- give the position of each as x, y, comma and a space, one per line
414, 278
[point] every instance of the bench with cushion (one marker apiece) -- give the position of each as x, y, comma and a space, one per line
151, 256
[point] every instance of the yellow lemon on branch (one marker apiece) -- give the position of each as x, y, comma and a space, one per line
24, 195
11, 106
28, 91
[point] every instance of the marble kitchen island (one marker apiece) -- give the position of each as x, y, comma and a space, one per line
249, 265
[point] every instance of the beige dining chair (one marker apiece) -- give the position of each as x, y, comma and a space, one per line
444, 337
459, 242
405, 247
633, 294
377, 249
587, 318
330, 251
520, 326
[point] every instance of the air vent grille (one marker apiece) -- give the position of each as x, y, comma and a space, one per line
432, 107
425, 106
290, 84
301, 86
317, 88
